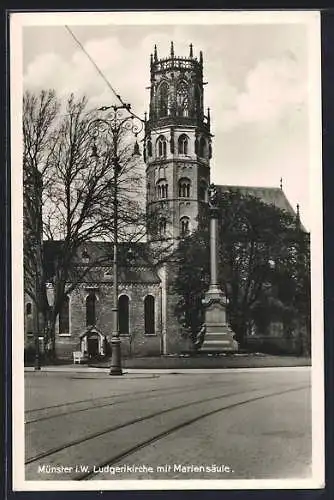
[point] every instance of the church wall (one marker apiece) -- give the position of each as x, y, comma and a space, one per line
137, 342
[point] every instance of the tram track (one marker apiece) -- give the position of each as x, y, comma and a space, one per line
153, 415
112, 402
157, 437
60, 405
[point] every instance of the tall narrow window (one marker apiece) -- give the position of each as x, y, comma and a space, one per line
163, 99
184, 187
183, 145
91, 309
162, 227
162, 189
202, 148
162, 147
149, 315
64, 316
184, 226
28, 309
123, 315
149, 147
198, 100
182, 99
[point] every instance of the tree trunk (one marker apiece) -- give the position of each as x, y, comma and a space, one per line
50, 337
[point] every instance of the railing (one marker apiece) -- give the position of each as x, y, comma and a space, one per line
176, 63
177, 120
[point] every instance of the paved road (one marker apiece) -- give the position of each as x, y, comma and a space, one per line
199, 425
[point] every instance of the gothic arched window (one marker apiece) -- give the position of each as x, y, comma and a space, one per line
91, 309
184, 226
163, 100
161, 146
149, 315
182, 99
202, 148
162, 189
202, 190
162, 226
149, 147
183, 145
123, 314
184, 187
64, 316
28, 309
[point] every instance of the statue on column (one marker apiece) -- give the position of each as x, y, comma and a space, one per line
213, 196
215, 335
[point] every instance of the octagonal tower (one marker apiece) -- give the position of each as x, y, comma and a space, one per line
177, 146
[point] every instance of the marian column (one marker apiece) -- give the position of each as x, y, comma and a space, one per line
218, 335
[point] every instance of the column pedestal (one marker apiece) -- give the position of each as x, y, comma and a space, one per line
218, 335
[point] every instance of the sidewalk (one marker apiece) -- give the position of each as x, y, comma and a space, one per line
162, 371
184, 364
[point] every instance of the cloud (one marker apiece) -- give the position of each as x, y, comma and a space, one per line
122, 67
125, 65
270, 89
273, 88
258, 98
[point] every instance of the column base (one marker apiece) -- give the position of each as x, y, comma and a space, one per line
116, 359
115, 371
218, 336
219, 339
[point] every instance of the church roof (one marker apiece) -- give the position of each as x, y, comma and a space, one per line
133, 258
270, 195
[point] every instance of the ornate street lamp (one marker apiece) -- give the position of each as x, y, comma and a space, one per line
119, 118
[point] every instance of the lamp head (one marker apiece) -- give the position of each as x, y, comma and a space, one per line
94, 151
136, 150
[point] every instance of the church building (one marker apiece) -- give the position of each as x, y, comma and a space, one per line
177, 154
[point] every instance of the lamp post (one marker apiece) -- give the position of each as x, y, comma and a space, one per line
119, 118
37, 360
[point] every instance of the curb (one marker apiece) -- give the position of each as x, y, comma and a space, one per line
163, 371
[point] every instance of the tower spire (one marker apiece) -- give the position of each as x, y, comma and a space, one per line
191, 55
201, 57
281, 183
171, 49
298, 214
155, 53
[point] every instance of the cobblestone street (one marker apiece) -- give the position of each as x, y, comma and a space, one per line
214, 424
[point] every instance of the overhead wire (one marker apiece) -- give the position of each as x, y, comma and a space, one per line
126, 105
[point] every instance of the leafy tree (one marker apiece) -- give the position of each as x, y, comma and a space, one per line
263, 267
192, 280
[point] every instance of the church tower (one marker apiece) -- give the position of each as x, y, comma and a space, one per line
177, 146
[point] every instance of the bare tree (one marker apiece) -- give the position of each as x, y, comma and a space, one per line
73, 191
39, 114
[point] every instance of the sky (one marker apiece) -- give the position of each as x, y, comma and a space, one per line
258, 86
